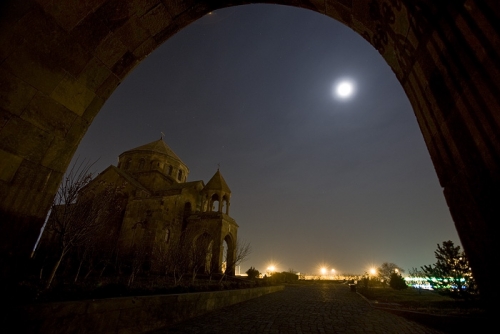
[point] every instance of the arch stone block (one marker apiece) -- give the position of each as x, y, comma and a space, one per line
59, 62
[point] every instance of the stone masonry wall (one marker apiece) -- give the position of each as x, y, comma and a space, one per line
126, 314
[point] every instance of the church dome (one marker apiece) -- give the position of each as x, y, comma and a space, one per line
154, 156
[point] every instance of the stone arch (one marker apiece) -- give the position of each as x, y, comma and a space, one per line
228, 254
60, 63
214, 205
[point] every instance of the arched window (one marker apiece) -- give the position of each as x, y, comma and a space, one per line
179, 175
127, 164
214, 203
170, 169
141, 164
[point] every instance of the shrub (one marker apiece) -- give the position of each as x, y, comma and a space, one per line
397, 282
252, 273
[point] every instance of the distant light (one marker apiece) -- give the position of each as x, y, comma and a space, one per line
271, 268
323, 270
373, 271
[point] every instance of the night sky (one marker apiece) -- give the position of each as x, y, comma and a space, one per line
315, 180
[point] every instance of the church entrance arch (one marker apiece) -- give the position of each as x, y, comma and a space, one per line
228, 255
59, 64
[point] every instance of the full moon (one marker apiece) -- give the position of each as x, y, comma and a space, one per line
344, 89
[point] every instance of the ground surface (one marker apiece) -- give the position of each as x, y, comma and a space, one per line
302, 308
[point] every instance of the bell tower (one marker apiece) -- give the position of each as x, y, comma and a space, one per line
214, 217
216, 195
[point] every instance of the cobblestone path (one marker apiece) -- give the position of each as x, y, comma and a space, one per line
315, 308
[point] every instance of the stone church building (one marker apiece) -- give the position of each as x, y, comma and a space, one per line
165, 213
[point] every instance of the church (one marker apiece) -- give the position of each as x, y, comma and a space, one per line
166, 219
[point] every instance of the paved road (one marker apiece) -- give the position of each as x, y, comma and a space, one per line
315, 308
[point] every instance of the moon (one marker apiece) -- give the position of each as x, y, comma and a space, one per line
344, 89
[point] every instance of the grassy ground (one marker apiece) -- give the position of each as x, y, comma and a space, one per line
421, 301
431, 309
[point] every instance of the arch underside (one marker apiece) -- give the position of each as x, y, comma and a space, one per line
60, 61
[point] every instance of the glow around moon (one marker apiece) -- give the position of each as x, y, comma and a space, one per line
344, 89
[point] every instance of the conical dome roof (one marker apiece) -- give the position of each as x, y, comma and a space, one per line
217, 182
157, 146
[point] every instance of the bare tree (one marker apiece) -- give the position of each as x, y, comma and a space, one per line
190, 253
96, 250
139, 256
200, 253
178, 262
242, 250
78, 211
385, 270
161, 261
178, 256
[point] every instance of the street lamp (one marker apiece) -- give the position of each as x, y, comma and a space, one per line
271, 269
323, 272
